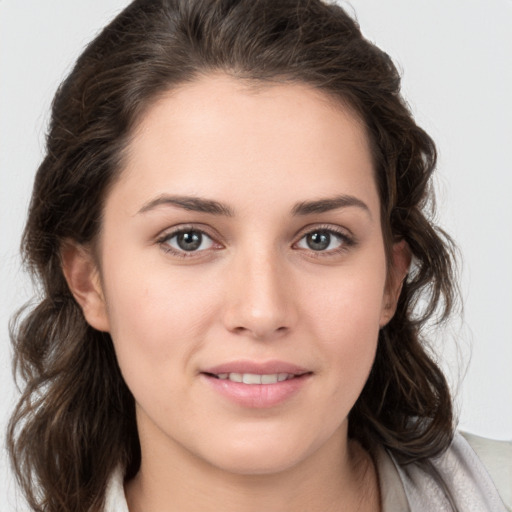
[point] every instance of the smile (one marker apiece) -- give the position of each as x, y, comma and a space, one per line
253, 378
252, 385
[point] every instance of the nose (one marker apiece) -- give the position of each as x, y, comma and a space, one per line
260, 297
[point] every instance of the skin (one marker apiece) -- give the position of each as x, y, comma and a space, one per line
255, 290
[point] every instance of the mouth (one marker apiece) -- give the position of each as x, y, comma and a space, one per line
255, 378
251, 384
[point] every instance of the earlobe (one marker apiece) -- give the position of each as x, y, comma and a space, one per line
83, 278
398, 270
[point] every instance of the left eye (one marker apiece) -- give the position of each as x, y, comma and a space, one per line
321, 240
190, 240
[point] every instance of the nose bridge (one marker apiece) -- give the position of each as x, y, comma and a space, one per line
260, 300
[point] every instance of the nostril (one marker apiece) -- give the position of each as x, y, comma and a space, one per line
260, 331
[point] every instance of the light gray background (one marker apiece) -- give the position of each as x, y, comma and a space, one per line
456, 61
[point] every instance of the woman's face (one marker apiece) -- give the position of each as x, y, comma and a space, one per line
243, 242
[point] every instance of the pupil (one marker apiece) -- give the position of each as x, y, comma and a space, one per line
319, 241
189, 241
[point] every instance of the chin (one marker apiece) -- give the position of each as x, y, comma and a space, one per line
260, 456
258, 463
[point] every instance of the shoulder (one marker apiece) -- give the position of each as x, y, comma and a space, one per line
497, 459
456, 481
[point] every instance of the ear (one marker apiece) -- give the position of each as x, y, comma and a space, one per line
83, 278
398, 270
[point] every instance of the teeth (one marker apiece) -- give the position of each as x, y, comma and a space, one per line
253, 378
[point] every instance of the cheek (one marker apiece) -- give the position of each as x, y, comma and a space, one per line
349, 329
157, 317
156, 330
349, 302
344, 317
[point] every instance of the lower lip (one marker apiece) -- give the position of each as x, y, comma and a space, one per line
257, 396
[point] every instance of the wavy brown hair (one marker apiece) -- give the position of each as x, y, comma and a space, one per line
75, 420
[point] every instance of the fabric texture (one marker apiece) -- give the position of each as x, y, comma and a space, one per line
455, 481
115, 499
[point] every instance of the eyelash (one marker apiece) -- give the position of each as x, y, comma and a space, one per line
164, 240
346, 241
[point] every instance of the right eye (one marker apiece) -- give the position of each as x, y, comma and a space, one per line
186, 241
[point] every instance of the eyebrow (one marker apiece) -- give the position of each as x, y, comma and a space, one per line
194, 204
303, 208
328, 204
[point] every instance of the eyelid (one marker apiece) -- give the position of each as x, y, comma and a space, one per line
167, 234
347, 237
333, 228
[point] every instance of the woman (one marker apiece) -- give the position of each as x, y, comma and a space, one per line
231, 230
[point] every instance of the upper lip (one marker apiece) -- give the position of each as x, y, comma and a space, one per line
256, 367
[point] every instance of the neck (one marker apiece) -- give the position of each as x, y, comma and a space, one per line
338, 477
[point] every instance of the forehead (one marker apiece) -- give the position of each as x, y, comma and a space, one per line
220, 135
220, 97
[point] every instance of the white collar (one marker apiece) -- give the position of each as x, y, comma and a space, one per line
115, 497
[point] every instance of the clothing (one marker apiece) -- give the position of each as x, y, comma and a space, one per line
413, 488
408, 488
